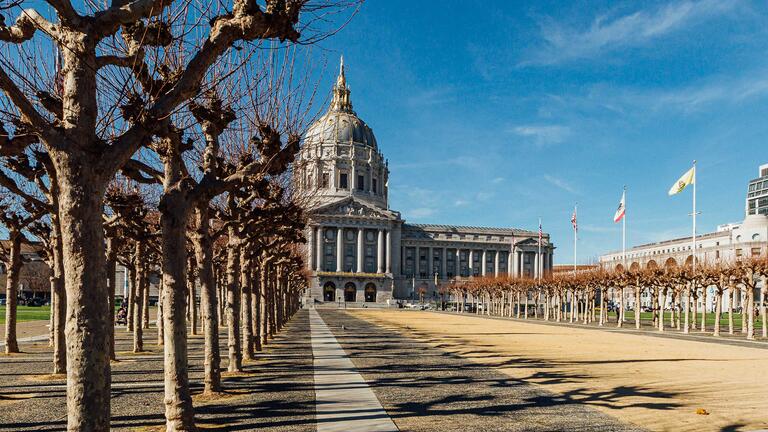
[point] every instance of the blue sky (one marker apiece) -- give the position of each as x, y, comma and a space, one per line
496, 113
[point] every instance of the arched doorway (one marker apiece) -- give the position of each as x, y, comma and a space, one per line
619, 268
670, 263
329, 292
370, 292
350, 292
634, 267
651, 265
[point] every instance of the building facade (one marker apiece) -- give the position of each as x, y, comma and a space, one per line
361, 252
757, 193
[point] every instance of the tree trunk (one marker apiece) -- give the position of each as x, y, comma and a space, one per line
138, 297
160, 321
12, 291
763, 289
247, 316
662, 301
192, 294
179, 413
233, 302
130, 278
145, 299
687, 324
731, 301
88, 337
256, 294
718, 310
704, 309
111, 281
59, 302
208, 302
750, 307
638, 305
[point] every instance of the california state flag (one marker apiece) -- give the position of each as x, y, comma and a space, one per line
620, 211
687, 179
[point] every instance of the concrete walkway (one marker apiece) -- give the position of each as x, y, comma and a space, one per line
343, 400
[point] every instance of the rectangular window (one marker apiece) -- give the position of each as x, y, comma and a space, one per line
755, 251
738, 252
326, 179
408, 267
450, 262
375, 189
361, 182
343, 181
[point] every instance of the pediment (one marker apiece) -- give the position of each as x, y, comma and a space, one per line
354, 208
531, 241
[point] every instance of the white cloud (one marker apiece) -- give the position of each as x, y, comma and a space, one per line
497, 180
460, 203
543, 135
606, 33
559, 183
421, 212
430, 97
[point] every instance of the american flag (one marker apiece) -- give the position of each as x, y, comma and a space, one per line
574, 222
541, 234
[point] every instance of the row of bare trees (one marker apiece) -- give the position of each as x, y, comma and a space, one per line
157, 134
586, 297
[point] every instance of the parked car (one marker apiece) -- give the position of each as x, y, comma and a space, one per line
35, 302
2, 302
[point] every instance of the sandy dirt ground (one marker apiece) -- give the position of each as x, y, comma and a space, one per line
652, 382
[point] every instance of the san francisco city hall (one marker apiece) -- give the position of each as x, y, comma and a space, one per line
361, 252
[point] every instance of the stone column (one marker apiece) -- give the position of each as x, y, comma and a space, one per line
319, 250
339, 249
388, 252
536, 261
311, 248
380, 254
496, 263
483, 265
417, 260
512, 263
444, 264
458, 263
470, 262
430, 263
360, 249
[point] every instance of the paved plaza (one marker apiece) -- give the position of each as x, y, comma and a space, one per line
365, 370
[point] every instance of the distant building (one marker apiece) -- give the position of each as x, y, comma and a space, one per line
757, 193
34, 276
568, 268
360, 251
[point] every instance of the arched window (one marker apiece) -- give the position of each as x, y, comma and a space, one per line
350, 292
370, 292
329, 292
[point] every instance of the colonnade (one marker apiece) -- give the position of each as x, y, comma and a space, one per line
382, 242
539, 262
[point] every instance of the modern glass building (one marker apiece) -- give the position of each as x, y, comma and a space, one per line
757, 194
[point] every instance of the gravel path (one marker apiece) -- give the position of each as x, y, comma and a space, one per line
425, 388
275, 393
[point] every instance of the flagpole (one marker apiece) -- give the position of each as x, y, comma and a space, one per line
693, 264
575, 237
624, 232
538, 257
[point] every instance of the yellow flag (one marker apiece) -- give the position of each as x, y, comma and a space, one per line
686, 179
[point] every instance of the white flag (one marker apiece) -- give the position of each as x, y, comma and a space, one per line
619, 215
686, 179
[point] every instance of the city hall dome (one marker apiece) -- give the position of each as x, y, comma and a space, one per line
339, 156
340, 124
337, 126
